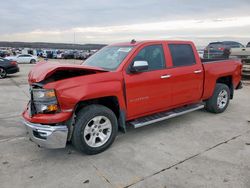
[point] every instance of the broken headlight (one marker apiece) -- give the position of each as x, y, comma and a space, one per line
45, 101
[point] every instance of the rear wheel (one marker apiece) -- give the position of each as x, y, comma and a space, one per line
32, 61
3, 73
95, 129
220, 99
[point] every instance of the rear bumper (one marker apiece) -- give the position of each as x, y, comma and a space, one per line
47, 136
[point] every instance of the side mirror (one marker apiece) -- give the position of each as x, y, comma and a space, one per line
139, 66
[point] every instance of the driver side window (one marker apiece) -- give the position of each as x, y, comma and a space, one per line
154, 55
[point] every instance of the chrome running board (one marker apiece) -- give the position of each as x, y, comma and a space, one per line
165, 115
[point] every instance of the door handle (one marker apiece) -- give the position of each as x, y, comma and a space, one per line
197, 71
165, 76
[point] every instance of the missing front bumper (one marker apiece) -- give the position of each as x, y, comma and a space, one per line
47, 136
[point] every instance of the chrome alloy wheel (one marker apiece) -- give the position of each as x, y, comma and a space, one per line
97, 131
3, 73
222, 99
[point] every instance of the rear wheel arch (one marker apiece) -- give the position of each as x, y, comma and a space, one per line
32, 61
227, 80
219, 101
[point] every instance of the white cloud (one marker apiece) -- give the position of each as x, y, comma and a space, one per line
169, 25
207, 29
109, 21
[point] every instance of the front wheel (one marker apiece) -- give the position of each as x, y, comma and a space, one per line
95, 129
220, 99
3, 73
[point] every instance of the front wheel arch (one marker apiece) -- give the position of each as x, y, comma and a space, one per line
111, 102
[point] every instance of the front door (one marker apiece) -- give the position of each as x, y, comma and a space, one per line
148, 91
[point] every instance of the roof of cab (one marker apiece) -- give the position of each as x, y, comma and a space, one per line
135, 43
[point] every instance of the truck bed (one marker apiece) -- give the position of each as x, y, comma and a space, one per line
215, 69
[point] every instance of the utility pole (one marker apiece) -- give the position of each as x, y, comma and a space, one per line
74, 39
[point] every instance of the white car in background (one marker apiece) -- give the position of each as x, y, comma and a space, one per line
59, 55
241, 52
23, 58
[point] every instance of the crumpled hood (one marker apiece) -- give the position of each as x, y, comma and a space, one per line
43, 70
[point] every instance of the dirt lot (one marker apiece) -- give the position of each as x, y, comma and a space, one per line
195, 150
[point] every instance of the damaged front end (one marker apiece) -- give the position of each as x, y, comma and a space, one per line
43, 103
46, 72
47, 122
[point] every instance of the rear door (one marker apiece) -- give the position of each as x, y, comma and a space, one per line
148, 91
186, 74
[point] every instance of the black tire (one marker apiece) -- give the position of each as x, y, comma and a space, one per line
212, 103
83, 119
32, 61
3, 73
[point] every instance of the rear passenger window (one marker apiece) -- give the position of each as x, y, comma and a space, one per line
182, 54
154, 55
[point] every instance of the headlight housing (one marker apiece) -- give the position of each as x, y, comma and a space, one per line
44, 94
44, 101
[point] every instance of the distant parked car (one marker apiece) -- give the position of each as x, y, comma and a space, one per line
39, 53
7, 67
241, 52
44, 54
220, 50
50, 54
59, 55
81, 55
69, 54
4, 53
23, 58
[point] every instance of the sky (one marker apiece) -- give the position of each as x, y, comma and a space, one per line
110, 21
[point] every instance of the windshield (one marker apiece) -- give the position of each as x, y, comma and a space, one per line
109, 58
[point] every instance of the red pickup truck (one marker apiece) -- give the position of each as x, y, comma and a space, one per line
125, 84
